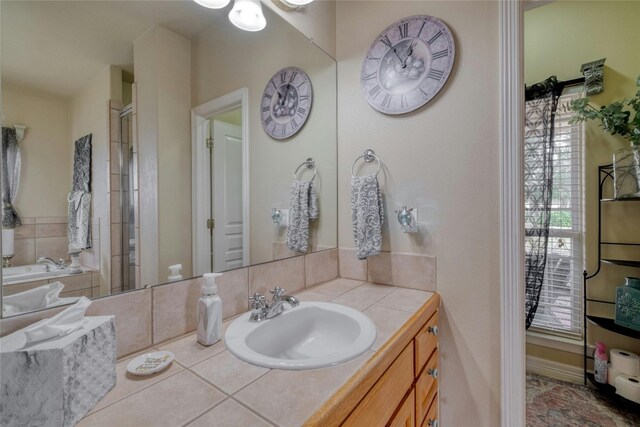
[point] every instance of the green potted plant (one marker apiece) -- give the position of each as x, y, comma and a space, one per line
618, 118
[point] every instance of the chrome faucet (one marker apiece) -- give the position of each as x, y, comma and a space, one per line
260, 310
58, 265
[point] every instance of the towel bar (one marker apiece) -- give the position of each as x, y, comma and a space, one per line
368, 156
310, 164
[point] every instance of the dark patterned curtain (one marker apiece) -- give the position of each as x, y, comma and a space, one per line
541, 102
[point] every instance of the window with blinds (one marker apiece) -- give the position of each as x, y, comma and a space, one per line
560, 307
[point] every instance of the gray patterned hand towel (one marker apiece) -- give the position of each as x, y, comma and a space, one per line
367, 215
303, 206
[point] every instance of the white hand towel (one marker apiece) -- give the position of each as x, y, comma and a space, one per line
33, 299
60, 324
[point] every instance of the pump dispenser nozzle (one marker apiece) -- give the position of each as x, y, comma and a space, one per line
209, 287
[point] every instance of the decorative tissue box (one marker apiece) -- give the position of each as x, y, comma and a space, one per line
57, 381
628, 304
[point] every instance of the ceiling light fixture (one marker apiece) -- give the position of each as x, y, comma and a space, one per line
295, 3
213, 4
247, 15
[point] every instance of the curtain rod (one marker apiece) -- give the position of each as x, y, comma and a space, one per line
573, 82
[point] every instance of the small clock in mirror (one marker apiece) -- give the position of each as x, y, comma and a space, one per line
286, 102
407, 64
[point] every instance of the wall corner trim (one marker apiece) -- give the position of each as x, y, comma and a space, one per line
512, 384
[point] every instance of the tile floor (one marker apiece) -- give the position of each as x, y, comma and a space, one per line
207, 384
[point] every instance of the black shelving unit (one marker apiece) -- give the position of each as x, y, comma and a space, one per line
606, 178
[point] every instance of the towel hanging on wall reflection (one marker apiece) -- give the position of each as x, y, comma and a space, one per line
79, 200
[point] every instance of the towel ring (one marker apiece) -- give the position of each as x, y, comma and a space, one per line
368, 156
310, 164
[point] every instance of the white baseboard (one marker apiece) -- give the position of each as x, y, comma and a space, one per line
555, 370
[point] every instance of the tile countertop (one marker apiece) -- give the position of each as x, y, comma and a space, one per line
208, 386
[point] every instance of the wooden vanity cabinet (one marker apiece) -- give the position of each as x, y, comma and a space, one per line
398, 386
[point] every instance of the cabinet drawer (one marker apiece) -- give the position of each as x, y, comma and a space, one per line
405, 417
426, 387
431, 420
384, 397
426, 342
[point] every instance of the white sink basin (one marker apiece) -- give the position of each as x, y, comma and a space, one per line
311, 335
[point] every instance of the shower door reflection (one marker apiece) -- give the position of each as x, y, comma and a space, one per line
128, 193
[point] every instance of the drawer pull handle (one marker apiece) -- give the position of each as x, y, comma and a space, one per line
433, 372
432, 423
433, 330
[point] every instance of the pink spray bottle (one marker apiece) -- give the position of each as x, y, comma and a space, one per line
600, 359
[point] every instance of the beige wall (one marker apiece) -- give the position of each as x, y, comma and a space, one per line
222, 64
162, 71
90, 115
47, 150
590, 31
317, 21
442, 159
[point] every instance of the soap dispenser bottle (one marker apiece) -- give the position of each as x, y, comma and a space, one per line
209, 311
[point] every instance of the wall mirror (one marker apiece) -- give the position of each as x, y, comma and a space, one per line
133, 142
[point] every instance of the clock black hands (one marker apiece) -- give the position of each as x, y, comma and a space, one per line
409, 52
402, 63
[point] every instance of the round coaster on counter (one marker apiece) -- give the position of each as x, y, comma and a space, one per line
150, 363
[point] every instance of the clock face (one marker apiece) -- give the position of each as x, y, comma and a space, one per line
407, 64
286, 102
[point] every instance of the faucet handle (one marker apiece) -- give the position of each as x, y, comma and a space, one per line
258, 301
277, 293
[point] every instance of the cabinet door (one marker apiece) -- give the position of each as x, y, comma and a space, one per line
405, 417
377, 407
426, 387
431, 420
426, 342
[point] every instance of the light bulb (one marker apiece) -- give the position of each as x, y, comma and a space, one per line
213, 4
247, 15
297, 2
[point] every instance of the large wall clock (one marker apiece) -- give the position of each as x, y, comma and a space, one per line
407, 64
286, 102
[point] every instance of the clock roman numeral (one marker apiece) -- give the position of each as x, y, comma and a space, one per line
283, 129
404, 30
372, 58
294, 124
303, 82
386, 41
424, 23
274, 85
435, 37
293, 76
283, 77
302, 111
425, 95
440, 54
403, 102
371, 76
304, 97
435, 74
374, 91
268, 120
266, 109
266, 95
386, 102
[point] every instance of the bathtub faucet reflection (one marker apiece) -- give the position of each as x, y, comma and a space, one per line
57, 265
